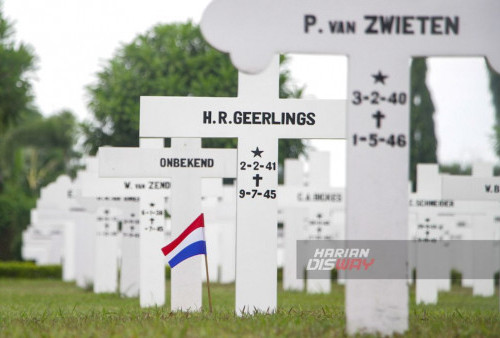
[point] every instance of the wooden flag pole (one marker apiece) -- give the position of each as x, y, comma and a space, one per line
208, 285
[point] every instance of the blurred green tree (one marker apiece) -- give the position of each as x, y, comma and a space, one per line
31, 156
34, 150
168, 60
17, 63
422, 135
495, 93
40, 149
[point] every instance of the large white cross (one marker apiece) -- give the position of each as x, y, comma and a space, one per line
258, 118
186, 163
380, 37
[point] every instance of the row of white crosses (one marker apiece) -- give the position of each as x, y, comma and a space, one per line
93, 245
428, 227
380, 37
185, 164
44, 240
436, 217
482, 192
311, 209
258, 119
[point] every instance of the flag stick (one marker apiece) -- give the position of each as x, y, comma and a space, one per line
208, 285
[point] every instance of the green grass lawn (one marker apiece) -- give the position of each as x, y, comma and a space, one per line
51, 308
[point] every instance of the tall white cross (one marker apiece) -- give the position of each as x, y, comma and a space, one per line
258, 118
185, 163
380, 37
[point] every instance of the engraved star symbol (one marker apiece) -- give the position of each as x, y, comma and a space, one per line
257, 152
379, 77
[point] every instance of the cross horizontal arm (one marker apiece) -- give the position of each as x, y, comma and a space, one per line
236, 117
471, 188
307, 197
143, 162
406, 27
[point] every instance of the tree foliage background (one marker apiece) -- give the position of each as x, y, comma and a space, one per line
34, 150
168, 60
423, 138
495, 92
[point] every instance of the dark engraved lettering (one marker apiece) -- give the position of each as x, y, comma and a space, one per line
373, 20
436, 28
309, 20
452, 25
207, 117
222, 117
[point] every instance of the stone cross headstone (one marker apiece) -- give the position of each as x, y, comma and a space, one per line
36, 246
106, 254
54, 209
130, 264
142, 201
322, 208
294, 219
481, 186
85, 225
380, 37
123, 195
211, 197
326, 211
227, 216
185, 163
430, 230
258, 118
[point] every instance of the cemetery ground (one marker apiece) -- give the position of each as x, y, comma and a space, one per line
53, 308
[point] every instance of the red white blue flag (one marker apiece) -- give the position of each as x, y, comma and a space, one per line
190, 243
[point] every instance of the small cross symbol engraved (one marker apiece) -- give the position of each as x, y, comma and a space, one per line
378, 116
257, 179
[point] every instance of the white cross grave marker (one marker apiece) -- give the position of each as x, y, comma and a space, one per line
85, 225
227, 215
481, 186
54, 209
186, 163
124, 194
427, 204
294, 217
258, 118
380, 37
322, 208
